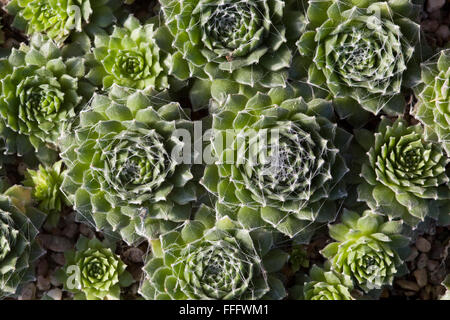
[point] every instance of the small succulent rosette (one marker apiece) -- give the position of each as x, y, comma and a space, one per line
58, 19
277, 162
364, 50
19, 250
433, 94
46, 183
124, 175
248, 42
41, 90
93, 271
368, 248
209, 260
403, 175
132, 56
323, 284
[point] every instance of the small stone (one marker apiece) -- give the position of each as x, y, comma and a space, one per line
55, 243
28, 292
135, 271
86, 231
424, 294
433, 5
423, 245
438, 275
71, 230
422, 261
55, 294
438, 291
384, 294
43, 283
58, 258
421, 277
408, 285
413, 255
134, 255
430, 25
409, 293
432, 265
436, 15
443, 32
437, 251
42, 267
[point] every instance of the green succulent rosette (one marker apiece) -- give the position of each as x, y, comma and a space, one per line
19, 225
277, 162
46, 183
209, 260
58, 19
327, 284
403, 175
369, 249
123, 174
93, 271
432, 108
41, 90
250, 42
131, 57
365, 50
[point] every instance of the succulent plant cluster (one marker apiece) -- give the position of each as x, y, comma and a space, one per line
93, 272
224, 136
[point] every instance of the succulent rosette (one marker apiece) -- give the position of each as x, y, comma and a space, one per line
403, 175
131, 57
19, 225
123, 174
209, 260
58, 19
327, 284
432, 108
250, 42
368, 248
364, 50
93, 271
41, 89
277, 161
46, 183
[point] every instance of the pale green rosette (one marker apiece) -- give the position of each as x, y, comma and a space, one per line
209, 260
58, 19
369, 249
131, 57
364, 50
19, 251
123, 175
46, 183
277, 162
403, 175
326, 284
250, 42
433, 107
41, 90
93, 271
